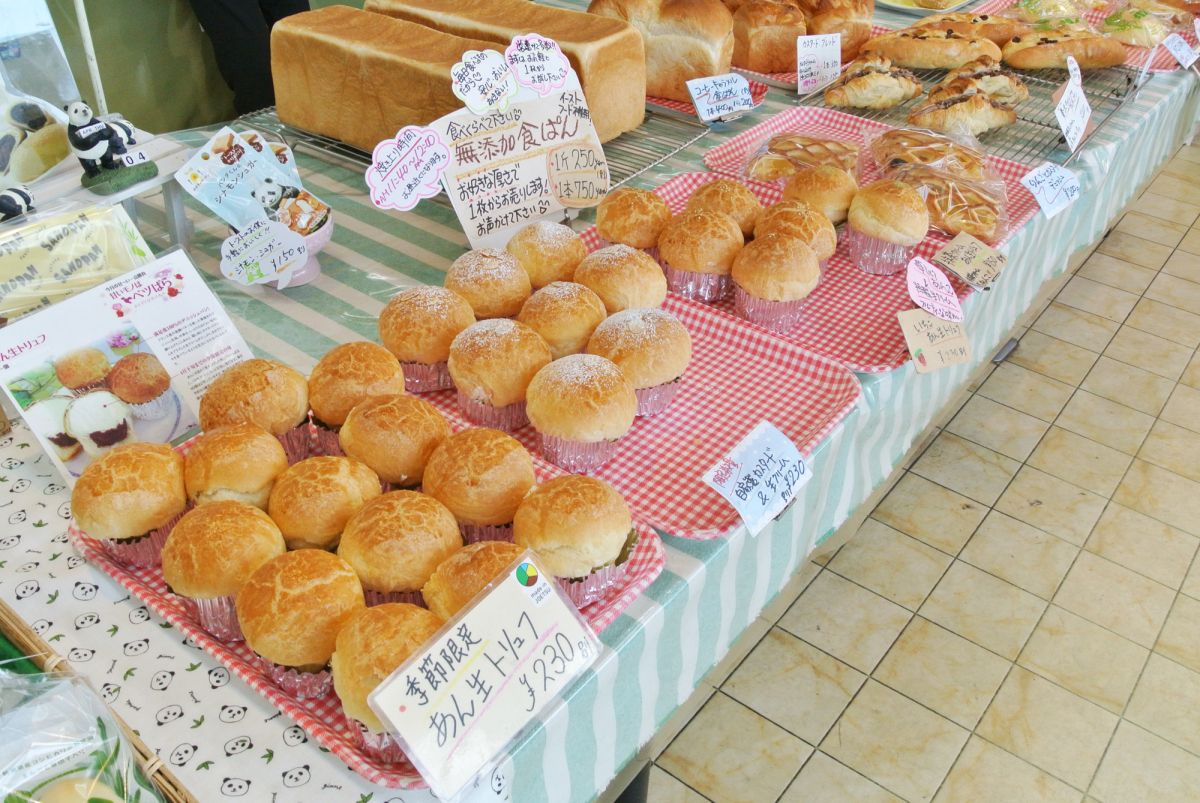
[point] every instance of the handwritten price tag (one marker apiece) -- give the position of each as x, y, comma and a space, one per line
818, 61
721, 97
578, 174
407, 168
1178, 47
537, 63
134, 158
933, 343
1073, 70
1073, 113
264, 251
761, 476
932, 291
1053, 186
974, 262
483, 81
459, 701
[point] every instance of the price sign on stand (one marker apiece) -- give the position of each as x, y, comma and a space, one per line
407, 168
578, 174
1178, 47
761, 476
264, 251
933, 343
1073, 70
1073, 113
818, 61
974, 262
932, 291
721, 97
461, 700
1054, 187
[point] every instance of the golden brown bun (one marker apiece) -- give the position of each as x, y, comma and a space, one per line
262, 392
394, 436
214, 549
549, 252
349, 374
292, 607
826, 189
623, 277
238, 462
931, 49
891, 211
81, 367
370, 646
650, 346
990, 26
396, 540
632, 216
582, 397
684, 39
1043, 50
419, 324
312, 501
764, 36
481, 475
458, 578
492, 361
703, 242
492, 282
565, 314
129, 491
798, 219
730, 197
138, 378
575, 524
776, 267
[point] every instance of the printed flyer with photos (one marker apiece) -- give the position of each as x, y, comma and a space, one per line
125, 361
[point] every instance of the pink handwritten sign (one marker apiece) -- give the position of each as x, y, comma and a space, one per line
407, 168
931, 290
537, 63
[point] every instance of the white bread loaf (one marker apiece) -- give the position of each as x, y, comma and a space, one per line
606, 54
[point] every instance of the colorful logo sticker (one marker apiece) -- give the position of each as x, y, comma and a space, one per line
527, 575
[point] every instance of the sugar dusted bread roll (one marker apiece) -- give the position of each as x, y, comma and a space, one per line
729, 197
351, 373
493, 361
458, 578
606, 54
650, 346
394, 437
395, 541
764, 36
237, 462
263, 392
418, 324
215, 548
623, 278
492, 282
481, 475
632, 216
548, 252
565, 314
312, 501
701, 242
583, 397
574, 524
826, 189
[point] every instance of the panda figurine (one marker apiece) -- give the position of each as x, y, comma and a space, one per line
15, 201
93, 141
270, 194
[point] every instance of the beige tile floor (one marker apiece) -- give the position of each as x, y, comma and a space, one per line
1019, 619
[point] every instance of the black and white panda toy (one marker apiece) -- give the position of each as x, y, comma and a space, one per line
15, 201
93, 141
270, 194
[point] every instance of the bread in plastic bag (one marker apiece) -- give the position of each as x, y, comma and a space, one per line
891, 148
780, 155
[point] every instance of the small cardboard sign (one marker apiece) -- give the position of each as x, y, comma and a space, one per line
407, 168
458, 703
933, 343
1178, 47
1073, 113
932, 291
761, 476
483, 81
265, 251
720, 97
975, 262
578, 174
537, 63
818, 61
1054, 187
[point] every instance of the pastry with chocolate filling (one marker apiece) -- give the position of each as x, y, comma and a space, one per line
1049, 50
930, 49
1001, 85
871, 82
47, 418
962, 105
989, 26
99, 421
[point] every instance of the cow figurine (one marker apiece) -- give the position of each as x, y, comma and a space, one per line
95, 142
15, 201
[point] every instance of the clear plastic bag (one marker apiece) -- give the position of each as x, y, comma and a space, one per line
887, 149
1143, 23
1047, 15
58, 742
780, 155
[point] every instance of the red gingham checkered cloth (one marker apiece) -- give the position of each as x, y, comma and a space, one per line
758, 91
1135, 57
787, 80
322, 718
851, 316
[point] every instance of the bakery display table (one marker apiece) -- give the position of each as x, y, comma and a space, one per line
222, 740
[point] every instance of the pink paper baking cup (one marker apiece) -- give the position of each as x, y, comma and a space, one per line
577, 457
875, 256
218, 617
473, 533
420, 377
143, 552
653, 400
384, 597
325, 442
297, 443
823, 265
706, 287
301, 685
778, 316
584, 591
379, 746
507, 418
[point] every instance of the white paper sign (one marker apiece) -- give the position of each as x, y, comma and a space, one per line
266, 251
1178, 47
459, 702
1053, 186
1144, 72
932, 291
1196, 27
134, 158
407, 168
720, 97
1073, 70
761, 476
818, 61
1073, 112
483, 81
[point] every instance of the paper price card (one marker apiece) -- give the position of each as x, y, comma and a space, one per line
933, 343
1073, 70
721, 97
932, 291
1053, 186
265, 251
818, 61
462, 699
1073, 113
761, 476
578, 174
407, 168
1178, 47
483, 81
974, 262
537, 63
